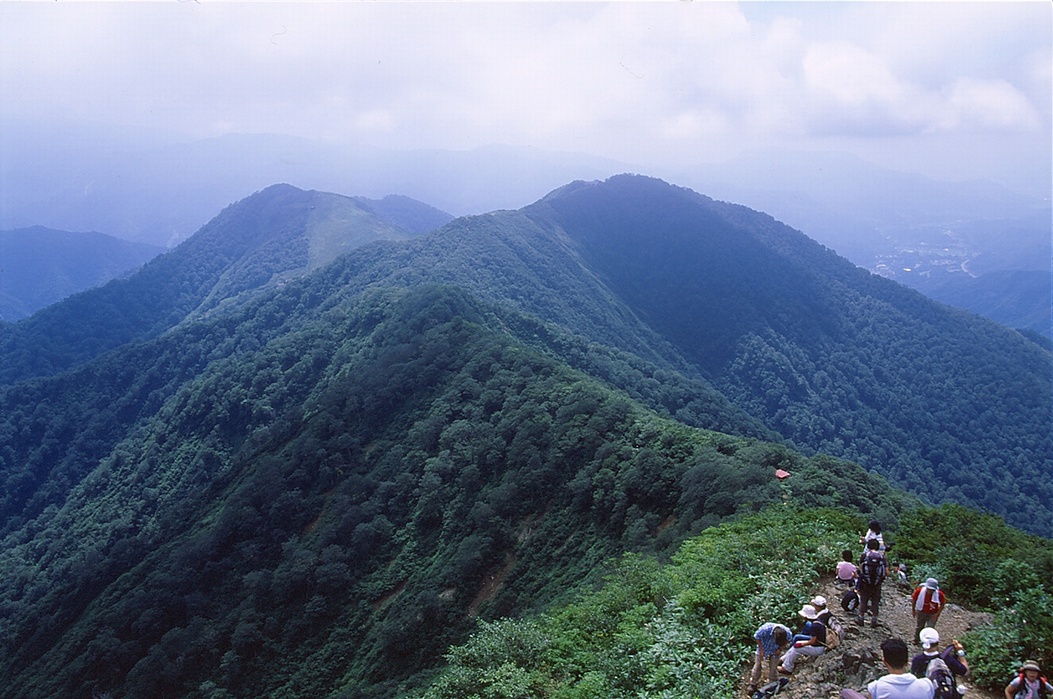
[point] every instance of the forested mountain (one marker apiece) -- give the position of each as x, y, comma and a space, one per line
280, 461
287, 512
39, 266
832, 357
260, 242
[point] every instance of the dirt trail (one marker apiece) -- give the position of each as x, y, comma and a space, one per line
858, 659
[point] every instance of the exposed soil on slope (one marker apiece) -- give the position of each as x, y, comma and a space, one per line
857, 661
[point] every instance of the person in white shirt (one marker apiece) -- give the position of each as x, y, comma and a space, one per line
873, 532
899, 683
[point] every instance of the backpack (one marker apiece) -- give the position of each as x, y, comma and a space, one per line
850, 601
872, 568
835, 632
940, 674
771, 689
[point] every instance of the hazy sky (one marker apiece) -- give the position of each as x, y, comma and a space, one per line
951, 89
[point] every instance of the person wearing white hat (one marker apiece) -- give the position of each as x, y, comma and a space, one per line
1029, 684
926, 606
953, 656
810, 642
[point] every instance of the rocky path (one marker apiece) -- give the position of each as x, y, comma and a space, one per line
858, 659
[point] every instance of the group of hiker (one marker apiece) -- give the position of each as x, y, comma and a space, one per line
931, 674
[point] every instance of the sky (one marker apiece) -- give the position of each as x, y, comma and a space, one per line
952, 90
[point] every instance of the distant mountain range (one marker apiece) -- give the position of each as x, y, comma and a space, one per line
299, 453
900, 225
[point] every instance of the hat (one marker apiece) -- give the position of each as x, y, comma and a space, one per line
932, 584
929, 637
819, 601
1031, 665
808, 612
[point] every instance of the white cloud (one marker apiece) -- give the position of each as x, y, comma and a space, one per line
989, 104
649, 82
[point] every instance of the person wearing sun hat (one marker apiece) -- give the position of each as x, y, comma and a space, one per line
1029, 684
811, 641
926, 606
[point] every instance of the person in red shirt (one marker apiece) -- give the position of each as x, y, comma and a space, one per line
927, 603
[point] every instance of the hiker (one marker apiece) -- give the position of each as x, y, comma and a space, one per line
811, 641
926, 606
771, 639
846, 569
1029, 684
901, 576
872, 569
835, 632
952, 657
873, 532
898, 684
822, 614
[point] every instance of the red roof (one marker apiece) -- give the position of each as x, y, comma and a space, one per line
780, 474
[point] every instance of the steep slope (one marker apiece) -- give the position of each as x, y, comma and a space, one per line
319, 491
290, 478
39, 266
833, 358
260, 242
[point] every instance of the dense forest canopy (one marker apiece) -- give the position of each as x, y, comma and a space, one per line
264, 466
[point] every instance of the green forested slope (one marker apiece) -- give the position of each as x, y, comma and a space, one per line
245, 472
828, 356
837, 360
296, 511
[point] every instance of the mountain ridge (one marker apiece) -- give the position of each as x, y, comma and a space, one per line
259, 242
291, 479
777, 323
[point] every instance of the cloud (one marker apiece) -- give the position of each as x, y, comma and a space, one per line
645, 82
989, 104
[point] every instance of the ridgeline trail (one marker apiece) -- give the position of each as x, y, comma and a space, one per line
857, 661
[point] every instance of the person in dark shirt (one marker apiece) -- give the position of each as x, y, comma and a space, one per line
953, 655
811, 641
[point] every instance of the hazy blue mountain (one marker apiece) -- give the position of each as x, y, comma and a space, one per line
1017, 299
39, 266
404, 212
259, 243
161, 192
